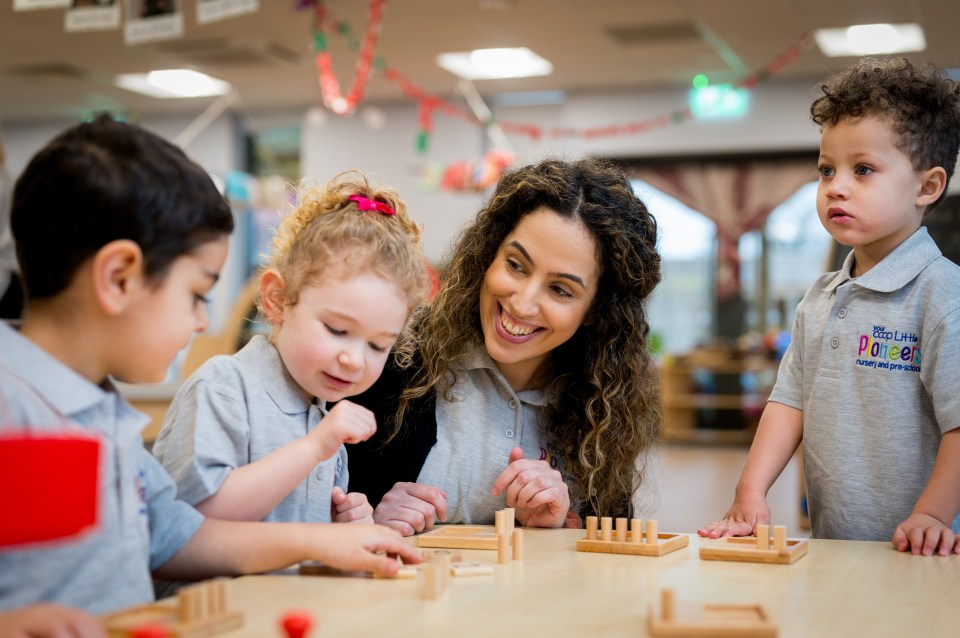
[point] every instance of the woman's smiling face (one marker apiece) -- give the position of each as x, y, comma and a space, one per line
536, 293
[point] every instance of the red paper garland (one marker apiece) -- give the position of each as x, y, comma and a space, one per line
329, 86
428, 104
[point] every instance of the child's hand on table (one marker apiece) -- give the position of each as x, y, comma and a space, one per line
925, 535
749, 509
47, 620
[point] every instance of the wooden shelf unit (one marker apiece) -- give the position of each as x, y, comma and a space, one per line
682, 399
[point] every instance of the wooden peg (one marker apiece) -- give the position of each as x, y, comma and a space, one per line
667, 604
780, 538
518, 544
636, 530
606, 525
503, 549
652, 533
592, 528
621, 530
763, 537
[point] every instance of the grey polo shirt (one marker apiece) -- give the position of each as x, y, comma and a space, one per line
142, 525
476, 432
873, 363
235, 410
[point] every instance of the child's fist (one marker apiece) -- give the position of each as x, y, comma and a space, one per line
345, 423
350, 508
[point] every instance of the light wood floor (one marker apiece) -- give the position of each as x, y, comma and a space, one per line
693, 485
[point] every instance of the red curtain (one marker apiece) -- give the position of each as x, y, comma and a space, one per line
737, 196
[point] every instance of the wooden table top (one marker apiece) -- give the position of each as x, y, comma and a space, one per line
839, 589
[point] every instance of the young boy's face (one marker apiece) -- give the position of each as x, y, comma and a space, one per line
164, 318
867, 197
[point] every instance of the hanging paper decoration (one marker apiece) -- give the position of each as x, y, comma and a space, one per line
429, 104
472, 175
329, 86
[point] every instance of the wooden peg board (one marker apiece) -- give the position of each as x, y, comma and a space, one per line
635, 543
719, 621
200, 610
473, 536
460, 537
755, 549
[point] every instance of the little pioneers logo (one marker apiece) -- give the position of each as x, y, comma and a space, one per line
891, 350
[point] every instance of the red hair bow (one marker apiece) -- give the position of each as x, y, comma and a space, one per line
368, 204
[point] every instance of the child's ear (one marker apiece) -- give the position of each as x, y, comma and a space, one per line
932, 183
273, 295
117, 273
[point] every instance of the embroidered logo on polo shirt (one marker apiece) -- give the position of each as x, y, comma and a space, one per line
892, 350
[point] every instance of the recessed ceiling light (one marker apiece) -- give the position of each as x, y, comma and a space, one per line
173, 83
870, 39
492, 64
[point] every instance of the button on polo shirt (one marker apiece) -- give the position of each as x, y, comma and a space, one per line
475, 434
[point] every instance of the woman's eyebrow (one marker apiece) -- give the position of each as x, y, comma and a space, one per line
563, 275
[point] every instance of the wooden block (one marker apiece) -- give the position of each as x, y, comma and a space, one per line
503, 549
721, 621
460, 537
199, 618
470, 569
745, 550
511, 520
431, 555
518, 544
664, 544
432, 583
500, 521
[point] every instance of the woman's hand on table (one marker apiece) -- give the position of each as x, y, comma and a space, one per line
535, 490
411, 508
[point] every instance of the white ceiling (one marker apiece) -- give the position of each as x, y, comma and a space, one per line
594, 45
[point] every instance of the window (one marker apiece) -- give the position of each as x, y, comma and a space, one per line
681, 308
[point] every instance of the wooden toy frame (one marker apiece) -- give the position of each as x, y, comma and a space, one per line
200, 610
757, 549
704, 621
633, 542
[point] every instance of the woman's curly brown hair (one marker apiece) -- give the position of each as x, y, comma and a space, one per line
922, 105
609, 413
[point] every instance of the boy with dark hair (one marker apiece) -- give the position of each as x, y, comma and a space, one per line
869, 382
119, 238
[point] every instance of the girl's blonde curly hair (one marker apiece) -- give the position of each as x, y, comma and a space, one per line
326, 230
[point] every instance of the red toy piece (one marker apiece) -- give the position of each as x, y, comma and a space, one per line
51, 482
150, 630
296, 624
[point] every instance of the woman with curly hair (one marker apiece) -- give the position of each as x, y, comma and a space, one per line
531, 384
